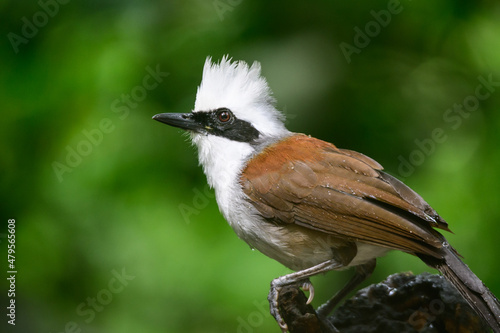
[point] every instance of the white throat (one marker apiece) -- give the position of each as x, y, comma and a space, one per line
222, 161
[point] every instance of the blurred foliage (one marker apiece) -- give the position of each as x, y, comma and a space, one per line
136, 202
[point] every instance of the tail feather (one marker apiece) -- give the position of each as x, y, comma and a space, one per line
469, 285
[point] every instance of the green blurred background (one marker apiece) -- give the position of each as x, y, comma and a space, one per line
132, 200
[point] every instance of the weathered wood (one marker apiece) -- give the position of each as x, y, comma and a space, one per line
402, 303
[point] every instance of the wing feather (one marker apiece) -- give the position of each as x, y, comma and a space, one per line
317, 186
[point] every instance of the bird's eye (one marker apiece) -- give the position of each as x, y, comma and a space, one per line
224, 115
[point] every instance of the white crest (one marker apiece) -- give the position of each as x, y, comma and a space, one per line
242, 89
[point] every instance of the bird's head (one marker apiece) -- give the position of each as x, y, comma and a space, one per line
233, 103
233, 117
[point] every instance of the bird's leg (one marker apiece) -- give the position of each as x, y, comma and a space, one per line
362, 273
294, 278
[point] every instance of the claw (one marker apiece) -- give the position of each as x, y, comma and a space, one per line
307, 286
274, 307
301, 279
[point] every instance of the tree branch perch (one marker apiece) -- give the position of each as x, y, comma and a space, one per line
402, 303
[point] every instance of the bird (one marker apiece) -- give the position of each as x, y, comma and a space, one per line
306, 203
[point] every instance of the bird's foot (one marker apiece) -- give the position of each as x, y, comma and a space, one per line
276, 287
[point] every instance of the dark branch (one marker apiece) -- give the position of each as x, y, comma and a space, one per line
402, 303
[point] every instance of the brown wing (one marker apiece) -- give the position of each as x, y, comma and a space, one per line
311, 183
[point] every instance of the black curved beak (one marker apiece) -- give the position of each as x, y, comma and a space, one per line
185, 121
